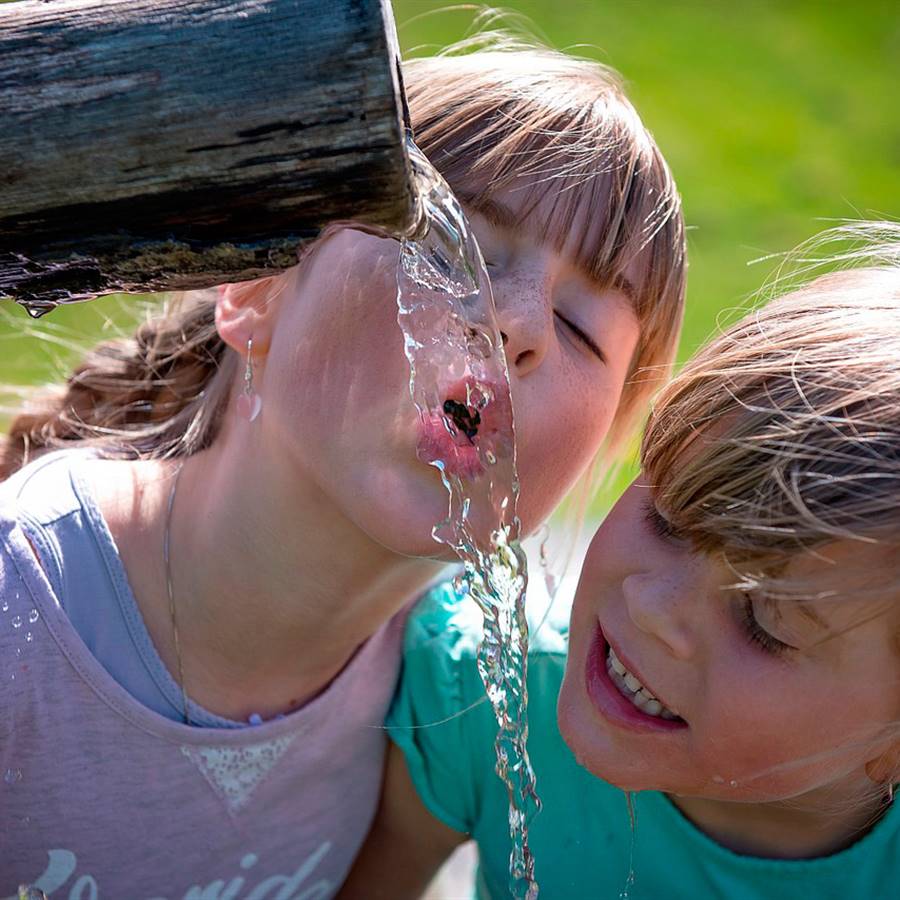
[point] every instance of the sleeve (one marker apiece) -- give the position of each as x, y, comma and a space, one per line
440, 718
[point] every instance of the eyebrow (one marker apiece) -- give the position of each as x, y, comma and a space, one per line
501, 216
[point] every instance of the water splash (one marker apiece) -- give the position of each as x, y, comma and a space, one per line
460, 386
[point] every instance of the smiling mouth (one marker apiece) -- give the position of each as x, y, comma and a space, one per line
620, 696
635, 692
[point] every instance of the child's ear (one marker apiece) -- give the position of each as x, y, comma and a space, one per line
247, 310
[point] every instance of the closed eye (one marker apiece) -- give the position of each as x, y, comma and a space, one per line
660, 525
585, 338
758, 635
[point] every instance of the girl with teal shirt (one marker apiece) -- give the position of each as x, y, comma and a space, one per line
732, 659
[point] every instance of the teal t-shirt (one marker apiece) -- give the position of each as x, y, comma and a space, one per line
582, 839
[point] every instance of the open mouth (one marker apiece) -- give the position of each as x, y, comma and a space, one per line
469, 431
620, 696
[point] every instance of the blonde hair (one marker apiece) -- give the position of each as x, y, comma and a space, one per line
483, 118
783, 433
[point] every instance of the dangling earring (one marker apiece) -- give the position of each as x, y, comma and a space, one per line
249, 403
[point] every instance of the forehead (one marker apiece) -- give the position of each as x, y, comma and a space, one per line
864, 572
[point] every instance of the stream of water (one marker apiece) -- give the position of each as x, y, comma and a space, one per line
460, 385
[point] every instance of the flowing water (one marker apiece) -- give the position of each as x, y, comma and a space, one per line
460, 386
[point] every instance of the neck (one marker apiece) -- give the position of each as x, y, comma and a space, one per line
274, 589
816, 824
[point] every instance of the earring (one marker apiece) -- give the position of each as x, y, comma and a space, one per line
249, 403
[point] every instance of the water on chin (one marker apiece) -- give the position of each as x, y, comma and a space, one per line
458, 377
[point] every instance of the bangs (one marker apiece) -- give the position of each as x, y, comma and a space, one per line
593, 186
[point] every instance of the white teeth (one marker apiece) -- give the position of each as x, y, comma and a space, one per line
630, 688
616, 662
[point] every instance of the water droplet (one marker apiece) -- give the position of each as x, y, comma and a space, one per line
732, 783
16, 621
5, 607
33, 616
29, 637
12, 776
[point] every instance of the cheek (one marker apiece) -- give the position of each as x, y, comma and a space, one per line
772, 731
559, 435
337, 348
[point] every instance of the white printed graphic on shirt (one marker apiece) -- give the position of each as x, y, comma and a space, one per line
235, 773
63, 863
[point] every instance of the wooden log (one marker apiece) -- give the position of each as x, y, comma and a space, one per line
152, 145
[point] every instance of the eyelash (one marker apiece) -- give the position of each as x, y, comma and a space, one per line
756, 634
584, 338
661, 527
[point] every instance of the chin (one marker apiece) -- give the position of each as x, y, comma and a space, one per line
574, 725
400, 518
409, 538
590, 745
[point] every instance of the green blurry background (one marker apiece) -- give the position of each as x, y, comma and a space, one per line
776, 117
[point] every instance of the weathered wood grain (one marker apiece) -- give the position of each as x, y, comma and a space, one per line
157, 144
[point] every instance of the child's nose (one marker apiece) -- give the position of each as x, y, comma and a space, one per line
659, 607
525, 317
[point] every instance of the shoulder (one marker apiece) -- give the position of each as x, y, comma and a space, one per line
444, 621
447, 621
43, 491
440, 654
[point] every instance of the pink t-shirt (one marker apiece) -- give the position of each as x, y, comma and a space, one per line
102, 797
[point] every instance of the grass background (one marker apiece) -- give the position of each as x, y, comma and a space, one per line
774, 116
